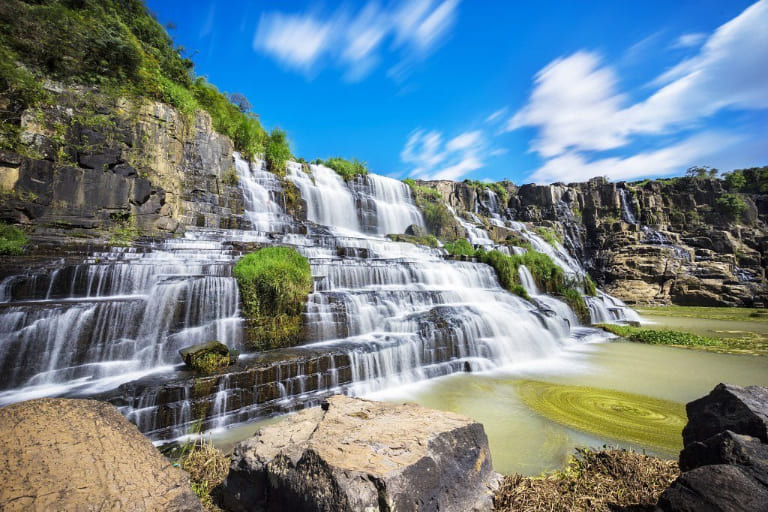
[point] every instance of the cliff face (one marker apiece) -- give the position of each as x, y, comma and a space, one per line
104, 168
654, 241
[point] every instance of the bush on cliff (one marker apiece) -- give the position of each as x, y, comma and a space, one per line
345, 168
731, 206
274, 283
12, 240
116, 45
278, 151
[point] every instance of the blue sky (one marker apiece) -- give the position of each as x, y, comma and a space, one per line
528, 91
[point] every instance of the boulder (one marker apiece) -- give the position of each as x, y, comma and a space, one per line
415, 230
728, 407
208, 357
352, 454
59, 454
728, 448
716, 488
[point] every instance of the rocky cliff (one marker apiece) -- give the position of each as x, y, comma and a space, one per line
664, 241
96, 167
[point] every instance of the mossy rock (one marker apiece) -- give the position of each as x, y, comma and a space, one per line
208, 357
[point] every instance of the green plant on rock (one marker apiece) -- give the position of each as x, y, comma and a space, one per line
551, 236
460, 248
730, 205
345, 168
427, 240
660, 336
278, 152
575, 300
274, 283
12, 240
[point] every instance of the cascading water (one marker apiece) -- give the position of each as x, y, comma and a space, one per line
382, 313
626, 208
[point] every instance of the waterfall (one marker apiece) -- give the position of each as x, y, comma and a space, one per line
262, 192
626, 208
527, 280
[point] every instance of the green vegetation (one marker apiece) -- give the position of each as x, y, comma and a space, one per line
753, 180
345, 168
589, 286
278, 151
661, 336
711, 313
12, 240
428, 240
437, 218
460, 248
730, 205
116, 45
274, 283
123, 230
550, 235
498, 188
623, 416
207, 468
208, 357
603, 481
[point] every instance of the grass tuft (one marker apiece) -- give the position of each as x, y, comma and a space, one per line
207, 468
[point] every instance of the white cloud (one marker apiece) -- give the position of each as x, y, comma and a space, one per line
431, 159
308, 41
576, 105
689, 40
497, 115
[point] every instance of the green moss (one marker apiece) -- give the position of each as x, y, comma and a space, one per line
427, 240
589, 286
12, 240
345, 168
660, 336
575, 300
460, 248
123, 230
274, 283
551, 236
638, 419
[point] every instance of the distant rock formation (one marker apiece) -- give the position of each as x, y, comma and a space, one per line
352, 454
60, 454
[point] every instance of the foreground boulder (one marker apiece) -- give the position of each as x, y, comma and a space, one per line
58, 454
353, 454
725, 458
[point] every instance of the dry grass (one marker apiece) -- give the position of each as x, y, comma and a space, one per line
207, 468
606, 480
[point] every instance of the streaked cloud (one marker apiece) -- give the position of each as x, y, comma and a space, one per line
430, 158
689, 40
577, 107
356, 41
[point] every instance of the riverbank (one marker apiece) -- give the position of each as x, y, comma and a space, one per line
739, 330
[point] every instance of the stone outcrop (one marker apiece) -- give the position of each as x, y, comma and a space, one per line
208, 357
60, 454
646, 242
354, 454
96, 166
725, 458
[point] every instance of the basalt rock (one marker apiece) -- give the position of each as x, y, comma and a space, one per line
728, 407
58, 454
354, 454
208, 357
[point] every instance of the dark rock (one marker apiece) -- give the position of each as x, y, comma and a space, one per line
58, 454
728, 448
715, 488
354, 454
728, 407
415, 230
209, 356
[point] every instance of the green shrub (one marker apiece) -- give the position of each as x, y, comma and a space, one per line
589, 286
12, 240
274, 283
660, 337
460, 248
345, 168
575, 300
278, 151
428, 240
730, 205
551, 236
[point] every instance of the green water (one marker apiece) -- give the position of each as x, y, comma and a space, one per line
618, 393
525, 441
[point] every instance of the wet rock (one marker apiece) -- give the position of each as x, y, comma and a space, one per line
415, 230
58, 454
716, 488
728, 407
208, 357
354, 454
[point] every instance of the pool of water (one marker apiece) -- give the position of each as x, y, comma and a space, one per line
527, 440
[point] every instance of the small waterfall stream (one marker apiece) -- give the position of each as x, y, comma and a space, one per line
382, 313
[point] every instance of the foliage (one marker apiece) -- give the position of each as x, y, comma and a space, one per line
12, 240
274, 283
575, 300
207, 468
123, 230
753, 180
730, 205
460, 248
427, 240
116, 45
660, 336
701, 172
345, 168
211, 361
498, 188
278, 151
589, 286
551, 236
